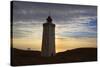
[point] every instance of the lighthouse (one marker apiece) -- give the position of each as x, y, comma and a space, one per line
48, 38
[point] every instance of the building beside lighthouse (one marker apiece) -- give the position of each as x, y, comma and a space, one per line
48, 38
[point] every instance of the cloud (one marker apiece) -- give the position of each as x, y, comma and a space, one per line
70, 20
79, 34
76, 25
26, 29
28, 11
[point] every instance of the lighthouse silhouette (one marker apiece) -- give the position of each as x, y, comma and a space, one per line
48, 38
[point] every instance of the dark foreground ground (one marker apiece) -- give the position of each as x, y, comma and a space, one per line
22, 57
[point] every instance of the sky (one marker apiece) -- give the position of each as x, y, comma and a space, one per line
76, 25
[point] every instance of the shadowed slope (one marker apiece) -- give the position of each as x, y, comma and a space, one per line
23, 57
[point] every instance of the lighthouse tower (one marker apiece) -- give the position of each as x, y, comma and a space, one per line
48, 38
